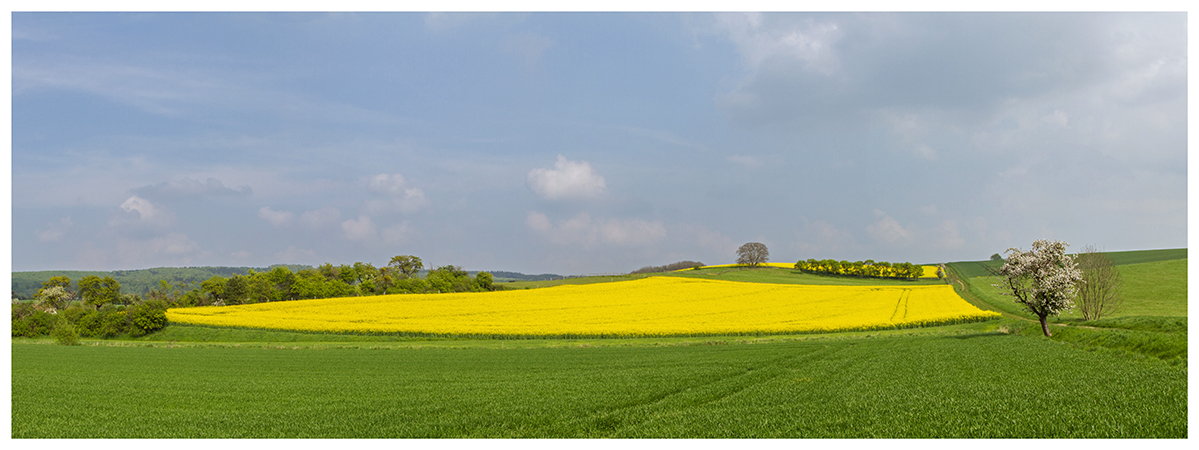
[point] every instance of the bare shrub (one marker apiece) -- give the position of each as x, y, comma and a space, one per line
1099, 293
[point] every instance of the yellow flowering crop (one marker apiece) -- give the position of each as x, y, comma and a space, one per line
655, 306
929, 271
766, 264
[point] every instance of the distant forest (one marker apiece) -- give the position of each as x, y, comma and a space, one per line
141, 281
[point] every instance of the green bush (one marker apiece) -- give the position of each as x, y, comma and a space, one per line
64, 333
37, 323
20, 328
148, 317
88, 324
113, 321
21, 310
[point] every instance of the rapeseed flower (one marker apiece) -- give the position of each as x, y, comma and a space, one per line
654, 306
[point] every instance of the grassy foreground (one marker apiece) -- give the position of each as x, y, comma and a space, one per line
973, 385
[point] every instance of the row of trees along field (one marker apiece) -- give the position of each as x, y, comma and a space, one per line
867, 268
399, 276
99, 309
101, 312
669, 267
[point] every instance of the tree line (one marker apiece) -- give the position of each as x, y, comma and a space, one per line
669, 267
99, 309
399, 276
25, 285
865, 269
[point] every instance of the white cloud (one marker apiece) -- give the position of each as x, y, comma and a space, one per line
809, 40
581, 229
399, 194
888, 230
276, 218
320, 218
188, 187
145, 210
361, 229
54, 230
141, 214
241, 255
567, 180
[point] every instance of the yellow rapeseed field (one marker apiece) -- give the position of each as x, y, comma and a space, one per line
654, 306
929, 271
767, 264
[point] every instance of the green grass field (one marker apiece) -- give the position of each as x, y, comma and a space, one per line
1119, 377
972, 385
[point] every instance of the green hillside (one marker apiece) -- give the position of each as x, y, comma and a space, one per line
970, 269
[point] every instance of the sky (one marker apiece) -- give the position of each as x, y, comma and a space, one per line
577, 143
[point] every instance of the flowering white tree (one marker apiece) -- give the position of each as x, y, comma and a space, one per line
53, 297
1043, 279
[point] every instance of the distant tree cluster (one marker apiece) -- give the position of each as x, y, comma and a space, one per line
669, 267
103, 311
864, 269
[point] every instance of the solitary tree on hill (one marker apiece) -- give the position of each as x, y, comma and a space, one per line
752, 254
1043, 279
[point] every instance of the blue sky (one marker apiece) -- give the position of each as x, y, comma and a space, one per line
580, 143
